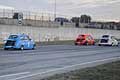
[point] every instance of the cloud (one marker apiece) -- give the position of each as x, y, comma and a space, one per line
6, 7
83, 3
105, 9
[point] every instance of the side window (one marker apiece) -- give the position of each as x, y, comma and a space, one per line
26, 38
113, 38
87, 38
90, 38
22, 38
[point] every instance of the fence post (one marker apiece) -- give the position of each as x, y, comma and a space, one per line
42, 19
49, 21
35, 20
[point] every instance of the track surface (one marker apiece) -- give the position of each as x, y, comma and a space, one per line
16, 65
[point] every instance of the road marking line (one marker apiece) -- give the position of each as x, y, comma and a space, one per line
57, 69
14, 74
72, 52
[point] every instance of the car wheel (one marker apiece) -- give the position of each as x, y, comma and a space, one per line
86, 43
5, 48
93, 43
34, 46
76, 44
99, 45
117, 45
112, 44
22, 47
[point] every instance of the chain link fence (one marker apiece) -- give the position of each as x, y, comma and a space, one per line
32, 19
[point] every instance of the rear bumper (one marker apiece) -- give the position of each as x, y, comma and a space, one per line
104, 44
10, 47
79, 43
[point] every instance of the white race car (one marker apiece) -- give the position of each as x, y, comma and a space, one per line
108, 40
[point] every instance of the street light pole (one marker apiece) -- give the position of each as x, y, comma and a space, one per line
55, 10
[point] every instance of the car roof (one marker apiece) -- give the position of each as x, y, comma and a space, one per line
107, 35
84, 34
19, 34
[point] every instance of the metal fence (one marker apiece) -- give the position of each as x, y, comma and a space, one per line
41, 19
29, 18
4, 13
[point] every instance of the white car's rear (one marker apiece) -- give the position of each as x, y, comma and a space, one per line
108, 40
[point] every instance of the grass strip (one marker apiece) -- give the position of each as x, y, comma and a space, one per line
110, 71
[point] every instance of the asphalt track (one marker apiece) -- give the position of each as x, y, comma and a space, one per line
52, 59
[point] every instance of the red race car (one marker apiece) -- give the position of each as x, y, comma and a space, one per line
84, 39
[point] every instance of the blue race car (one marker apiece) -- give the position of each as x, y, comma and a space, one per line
19, 41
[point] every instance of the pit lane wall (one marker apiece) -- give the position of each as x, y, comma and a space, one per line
53, 34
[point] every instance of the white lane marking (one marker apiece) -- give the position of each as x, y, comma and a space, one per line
57, 69
14, 74
97, 51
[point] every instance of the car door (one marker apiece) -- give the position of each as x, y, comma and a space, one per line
88, 40
115, 42
91, 39
25, 41
22, 41
30, 43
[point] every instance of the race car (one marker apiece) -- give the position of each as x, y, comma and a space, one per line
84, 39
19, 41
108, 40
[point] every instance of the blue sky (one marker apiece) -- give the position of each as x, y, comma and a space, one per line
98, 9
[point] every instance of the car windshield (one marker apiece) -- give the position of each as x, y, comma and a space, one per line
105, 36
81, 37
13, 36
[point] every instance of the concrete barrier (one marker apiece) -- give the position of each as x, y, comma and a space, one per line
53, 34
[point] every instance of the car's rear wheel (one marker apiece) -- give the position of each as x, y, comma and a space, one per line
112, 44
76, 44
86, 43
34, 46
93, 43
22, 47
99, 45
5, 48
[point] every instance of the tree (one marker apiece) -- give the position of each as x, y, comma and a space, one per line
75, 19
85, 19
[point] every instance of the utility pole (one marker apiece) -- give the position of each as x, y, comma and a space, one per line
55, 10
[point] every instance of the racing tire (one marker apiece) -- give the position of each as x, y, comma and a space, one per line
86, 43
112, 44
99, 45
5, 48
76, 44
93, 43
34, 47
22, 47
117, 45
